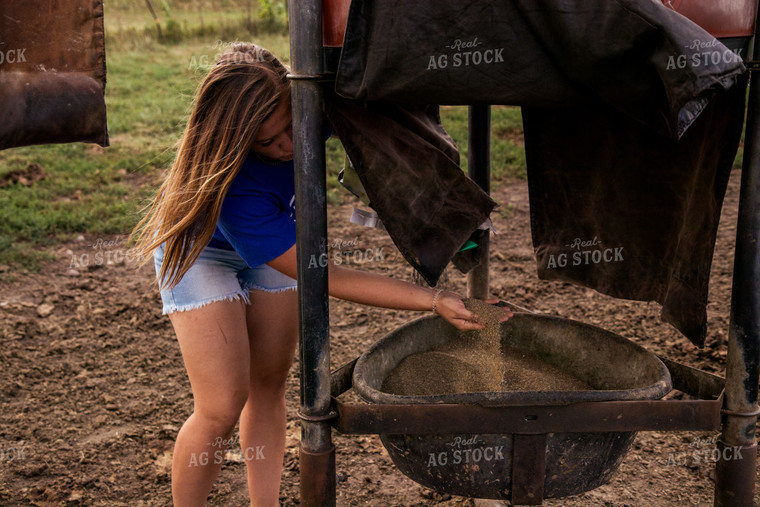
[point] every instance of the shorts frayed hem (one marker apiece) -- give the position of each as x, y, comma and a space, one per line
243, 295
273, 291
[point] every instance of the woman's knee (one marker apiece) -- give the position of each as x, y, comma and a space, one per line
271, 382
222, 412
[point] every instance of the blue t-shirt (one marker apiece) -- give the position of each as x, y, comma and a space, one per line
258, 213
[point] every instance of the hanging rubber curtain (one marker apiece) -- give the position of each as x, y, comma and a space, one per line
632, 117
52, 73
409, 168
635, 55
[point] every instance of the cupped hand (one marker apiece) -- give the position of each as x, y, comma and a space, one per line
451, 307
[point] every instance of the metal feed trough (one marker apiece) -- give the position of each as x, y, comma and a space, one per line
523, 427
481, 465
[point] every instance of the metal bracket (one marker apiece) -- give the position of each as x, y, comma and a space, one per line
318, 418
752, 65
754, 413
320, 76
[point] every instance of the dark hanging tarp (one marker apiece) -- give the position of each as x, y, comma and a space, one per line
626, 211
644, 59
632, 119
52, 73
409, 168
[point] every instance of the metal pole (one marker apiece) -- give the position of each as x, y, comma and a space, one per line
479, 170
317, 454
735, 470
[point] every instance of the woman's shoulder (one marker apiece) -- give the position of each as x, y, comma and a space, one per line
258, 176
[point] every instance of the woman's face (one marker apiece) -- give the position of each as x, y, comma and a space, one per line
274, 141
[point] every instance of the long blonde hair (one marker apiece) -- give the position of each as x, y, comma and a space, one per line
241, 91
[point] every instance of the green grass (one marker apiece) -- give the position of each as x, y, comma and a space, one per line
151, 83
507, 152
130, 23
150, 88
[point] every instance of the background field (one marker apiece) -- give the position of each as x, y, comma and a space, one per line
92, 385
151, 83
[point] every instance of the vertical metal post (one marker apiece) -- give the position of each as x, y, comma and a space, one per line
735, 470
317, 454
479, 170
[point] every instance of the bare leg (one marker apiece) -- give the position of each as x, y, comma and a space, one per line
273, 328
215, 347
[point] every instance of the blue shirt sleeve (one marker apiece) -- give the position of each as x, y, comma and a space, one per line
258, 213
257, 226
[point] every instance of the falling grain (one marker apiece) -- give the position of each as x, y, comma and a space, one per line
477, 361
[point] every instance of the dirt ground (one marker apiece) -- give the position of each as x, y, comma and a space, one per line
93, 387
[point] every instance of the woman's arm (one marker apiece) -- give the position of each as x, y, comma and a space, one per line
376, 290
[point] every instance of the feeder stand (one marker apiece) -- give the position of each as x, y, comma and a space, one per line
479, 170
734, 478
317, 454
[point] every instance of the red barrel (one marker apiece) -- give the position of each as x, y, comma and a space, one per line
721, 18
334, 16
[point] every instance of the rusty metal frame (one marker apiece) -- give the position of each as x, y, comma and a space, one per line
530, 425
735, 411
528, 469
636, 415
599, 416
735, 479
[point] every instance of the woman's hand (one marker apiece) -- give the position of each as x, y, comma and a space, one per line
451, 307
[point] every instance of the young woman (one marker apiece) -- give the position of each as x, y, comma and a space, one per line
222, 235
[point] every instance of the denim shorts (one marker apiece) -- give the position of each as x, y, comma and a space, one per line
219, 275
